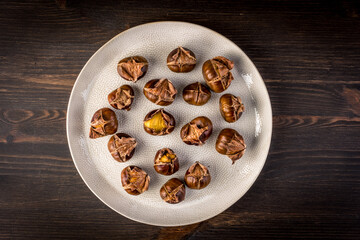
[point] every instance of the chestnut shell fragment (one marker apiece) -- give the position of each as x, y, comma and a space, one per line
231, 144
103, 123
122, 98
173, 191
166, 161
132, 68
197, 176
181, 60
134, 180
197, 131
159, 122
231, 107
122, 147
217, 73
160, 91
196, 94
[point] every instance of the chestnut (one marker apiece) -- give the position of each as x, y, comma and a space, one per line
160, 91
134, 180
197, 131
122, 147
217, 73
166, 162
231, 144
132, 68
196, 94
173, 191
231, 107
159, 122
197, 176
122, 98
103, 123
181, 60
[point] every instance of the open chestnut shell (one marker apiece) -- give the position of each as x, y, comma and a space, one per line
159, 122
103, 123
231, 144
173, 191
122, 98
122, 147
160, 91
196, 94
217, 73
231, 107
181, 60
197, 131
134, 180
197, 176
166, 161
132, 68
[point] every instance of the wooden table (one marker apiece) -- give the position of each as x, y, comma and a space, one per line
308, 55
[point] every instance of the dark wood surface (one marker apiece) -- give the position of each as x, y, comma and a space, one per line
308, 53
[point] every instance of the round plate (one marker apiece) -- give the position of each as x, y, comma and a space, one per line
101, 172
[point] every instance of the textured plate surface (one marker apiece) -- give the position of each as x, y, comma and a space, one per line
101, 172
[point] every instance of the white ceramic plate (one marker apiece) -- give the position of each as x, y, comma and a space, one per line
101, 172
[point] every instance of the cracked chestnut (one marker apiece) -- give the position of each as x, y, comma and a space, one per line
231, 107
231, 144
134, 180
159, 122
173, 191
197, 176
122, 147
166, 162
217, 73
160, 91
181, 60
122, 98
132, 68
197, 131
103, 123
196, 94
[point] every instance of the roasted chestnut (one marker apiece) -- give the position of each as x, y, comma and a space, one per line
217, 73
196, 94
181, 60
103, 123
197, 131
132, 68
173, 191
122, 147
134, 180
160, 91
122, 98
231, 107
159, 122
231, 144
197, 176
166, 162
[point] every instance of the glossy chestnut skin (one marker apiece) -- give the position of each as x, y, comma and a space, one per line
196, 94
181, 60
122, 147
166, 162
173, 191
132, 68
103, 123
122, 98
231, 107
134, 180
231, 144
197, 131
216, 73
197, 176
160, 91
159, 122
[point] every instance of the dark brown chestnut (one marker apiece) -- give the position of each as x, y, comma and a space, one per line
122, 147
159, 122
181, 60
166, 162
217, 73
134, 180
231, 144
132, 68
173, 191
103, 123
122, 98
197, 176
160, 91
231, 107
197, 131
196, 94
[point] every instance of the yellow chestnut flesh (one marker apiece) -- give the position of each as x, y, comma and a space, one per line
156, 123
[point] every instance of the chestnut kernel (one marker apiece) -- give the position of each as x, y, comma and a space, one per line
160, 91
231, 144
197, 131
217, 73
122, 98
166, 162
181, 60
231, 107
132, 68
173, 191
134, 180
103, 123
196, 94
197, 176
159, 122
122, 147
